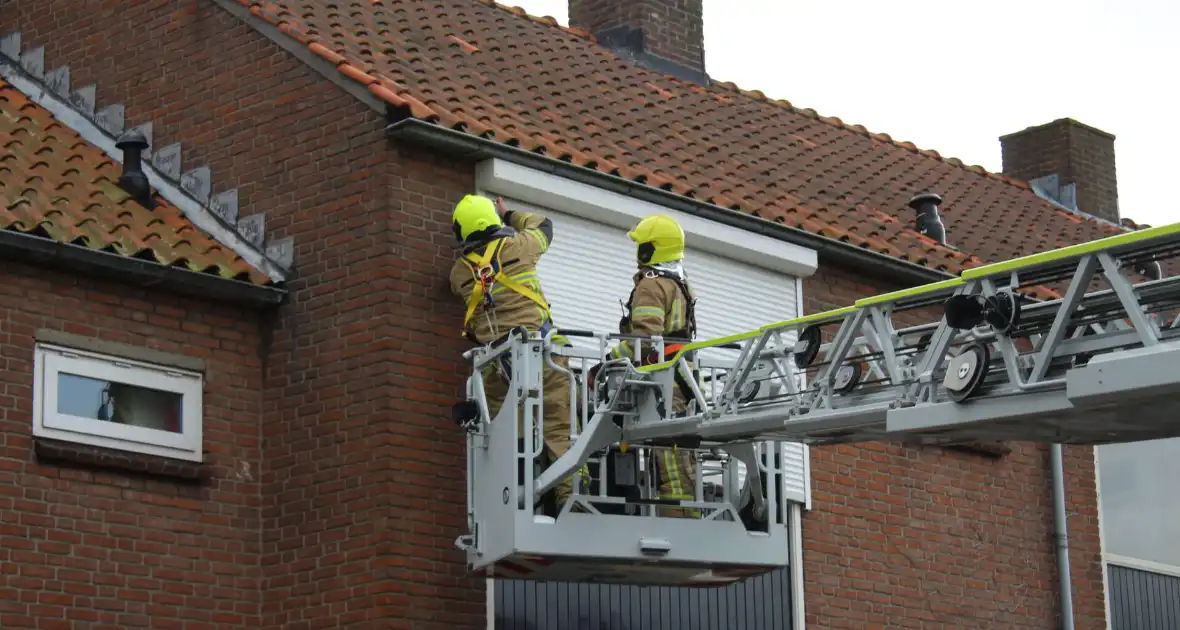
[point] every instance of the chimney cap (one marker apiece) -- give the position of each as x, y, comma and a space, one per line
132, 139
920, 199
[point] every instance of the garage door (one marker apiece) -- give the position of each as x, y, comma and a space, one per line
760, 603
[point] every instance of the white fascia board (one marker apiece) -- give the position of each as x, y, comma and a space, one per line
499, 177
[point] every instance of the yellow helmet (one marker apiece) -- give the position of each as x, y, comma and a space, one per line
660, 239
474, 214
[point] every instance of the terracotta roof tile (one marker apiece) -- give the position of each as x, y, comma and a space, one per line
496, 72
55, 185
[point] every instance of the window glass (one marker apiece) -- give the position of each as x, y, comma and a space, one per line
120, 403
1140, 490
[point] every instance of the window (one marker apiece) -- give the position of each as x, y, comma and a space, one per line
1139, 503
116, 403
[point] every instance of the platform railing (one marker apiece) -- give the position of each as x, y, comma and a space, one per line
868, 365
722, 476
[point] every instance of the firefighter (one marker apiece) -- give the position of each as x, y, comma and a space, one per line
663, 303
496, 277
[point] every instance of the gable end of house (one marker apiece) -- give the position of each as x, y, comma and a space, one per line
190, 191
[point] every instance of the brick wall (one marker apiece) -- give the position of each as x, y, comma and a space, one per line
926, 537
362, 485
90, 548
1077, 153
673, 29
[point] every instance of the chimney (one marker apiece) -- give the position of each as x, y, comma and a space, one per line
1066, 162
664, 35
134, 180
928, 223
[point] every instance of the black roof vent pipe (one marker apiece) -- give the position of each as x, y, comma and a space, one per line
134, 180
928, 223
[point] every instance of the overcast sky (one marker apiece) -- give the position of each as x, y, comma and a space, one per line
955, 76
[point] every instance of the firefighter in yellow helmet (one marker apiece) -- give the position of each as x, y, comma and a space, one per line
496, 277
663, 303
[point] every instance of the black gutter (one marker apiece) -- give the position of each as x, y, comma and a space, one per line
133, 271
466, 146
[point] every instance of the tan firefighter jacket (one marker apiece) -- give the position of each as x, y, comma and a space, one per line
509, 294
660, 304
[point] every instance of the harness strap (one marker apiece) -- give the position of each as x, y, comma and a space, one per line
690, 316
690, 324
486, 275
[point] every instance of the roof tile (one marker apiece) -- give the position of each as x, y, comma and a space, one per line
55, 185
526, 82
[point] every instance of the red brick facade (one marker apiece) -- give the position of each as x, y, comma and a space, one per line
360, 495
81, 546
353, 493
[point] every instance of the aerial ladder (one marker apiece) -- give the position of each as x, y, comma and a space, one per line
1099, 364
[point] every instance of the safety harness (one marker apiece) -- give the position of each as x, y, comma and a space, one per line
688, 332
487, 271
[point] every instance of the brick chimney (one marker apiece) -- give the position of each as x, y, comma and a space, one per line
1067, 162
664, 35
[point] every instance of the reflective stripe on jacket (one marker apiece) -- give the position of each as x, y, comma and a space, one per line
658, 307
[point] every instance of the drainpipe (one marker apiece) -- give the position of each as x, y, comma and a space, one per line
1061, 534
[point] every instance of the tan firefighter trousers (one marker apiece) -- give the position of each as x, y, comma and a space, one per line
677, 470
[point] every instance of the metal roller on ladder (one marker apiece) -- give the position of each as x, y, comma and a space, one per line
1091, 367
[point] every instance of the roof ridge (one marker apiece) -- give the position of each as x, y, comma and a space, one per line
835, 121
547, 20
760, 96
188, 191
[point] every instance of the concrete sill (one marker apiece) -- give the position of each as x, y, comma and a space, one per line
86, 456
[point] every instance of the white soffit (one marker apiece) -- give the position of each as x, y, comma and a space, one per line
497, 176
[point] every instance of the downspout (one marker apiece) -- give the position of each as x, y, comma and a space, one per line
1060, 531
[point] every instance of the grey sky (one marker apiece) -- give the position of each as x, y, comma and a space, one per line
954, 76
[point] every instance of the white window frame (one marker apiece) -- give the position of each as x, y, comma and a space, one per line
51, 359
1128, 562
1103, 554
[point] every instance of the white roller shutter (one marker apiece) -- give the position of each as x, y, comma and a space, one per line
588, 271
